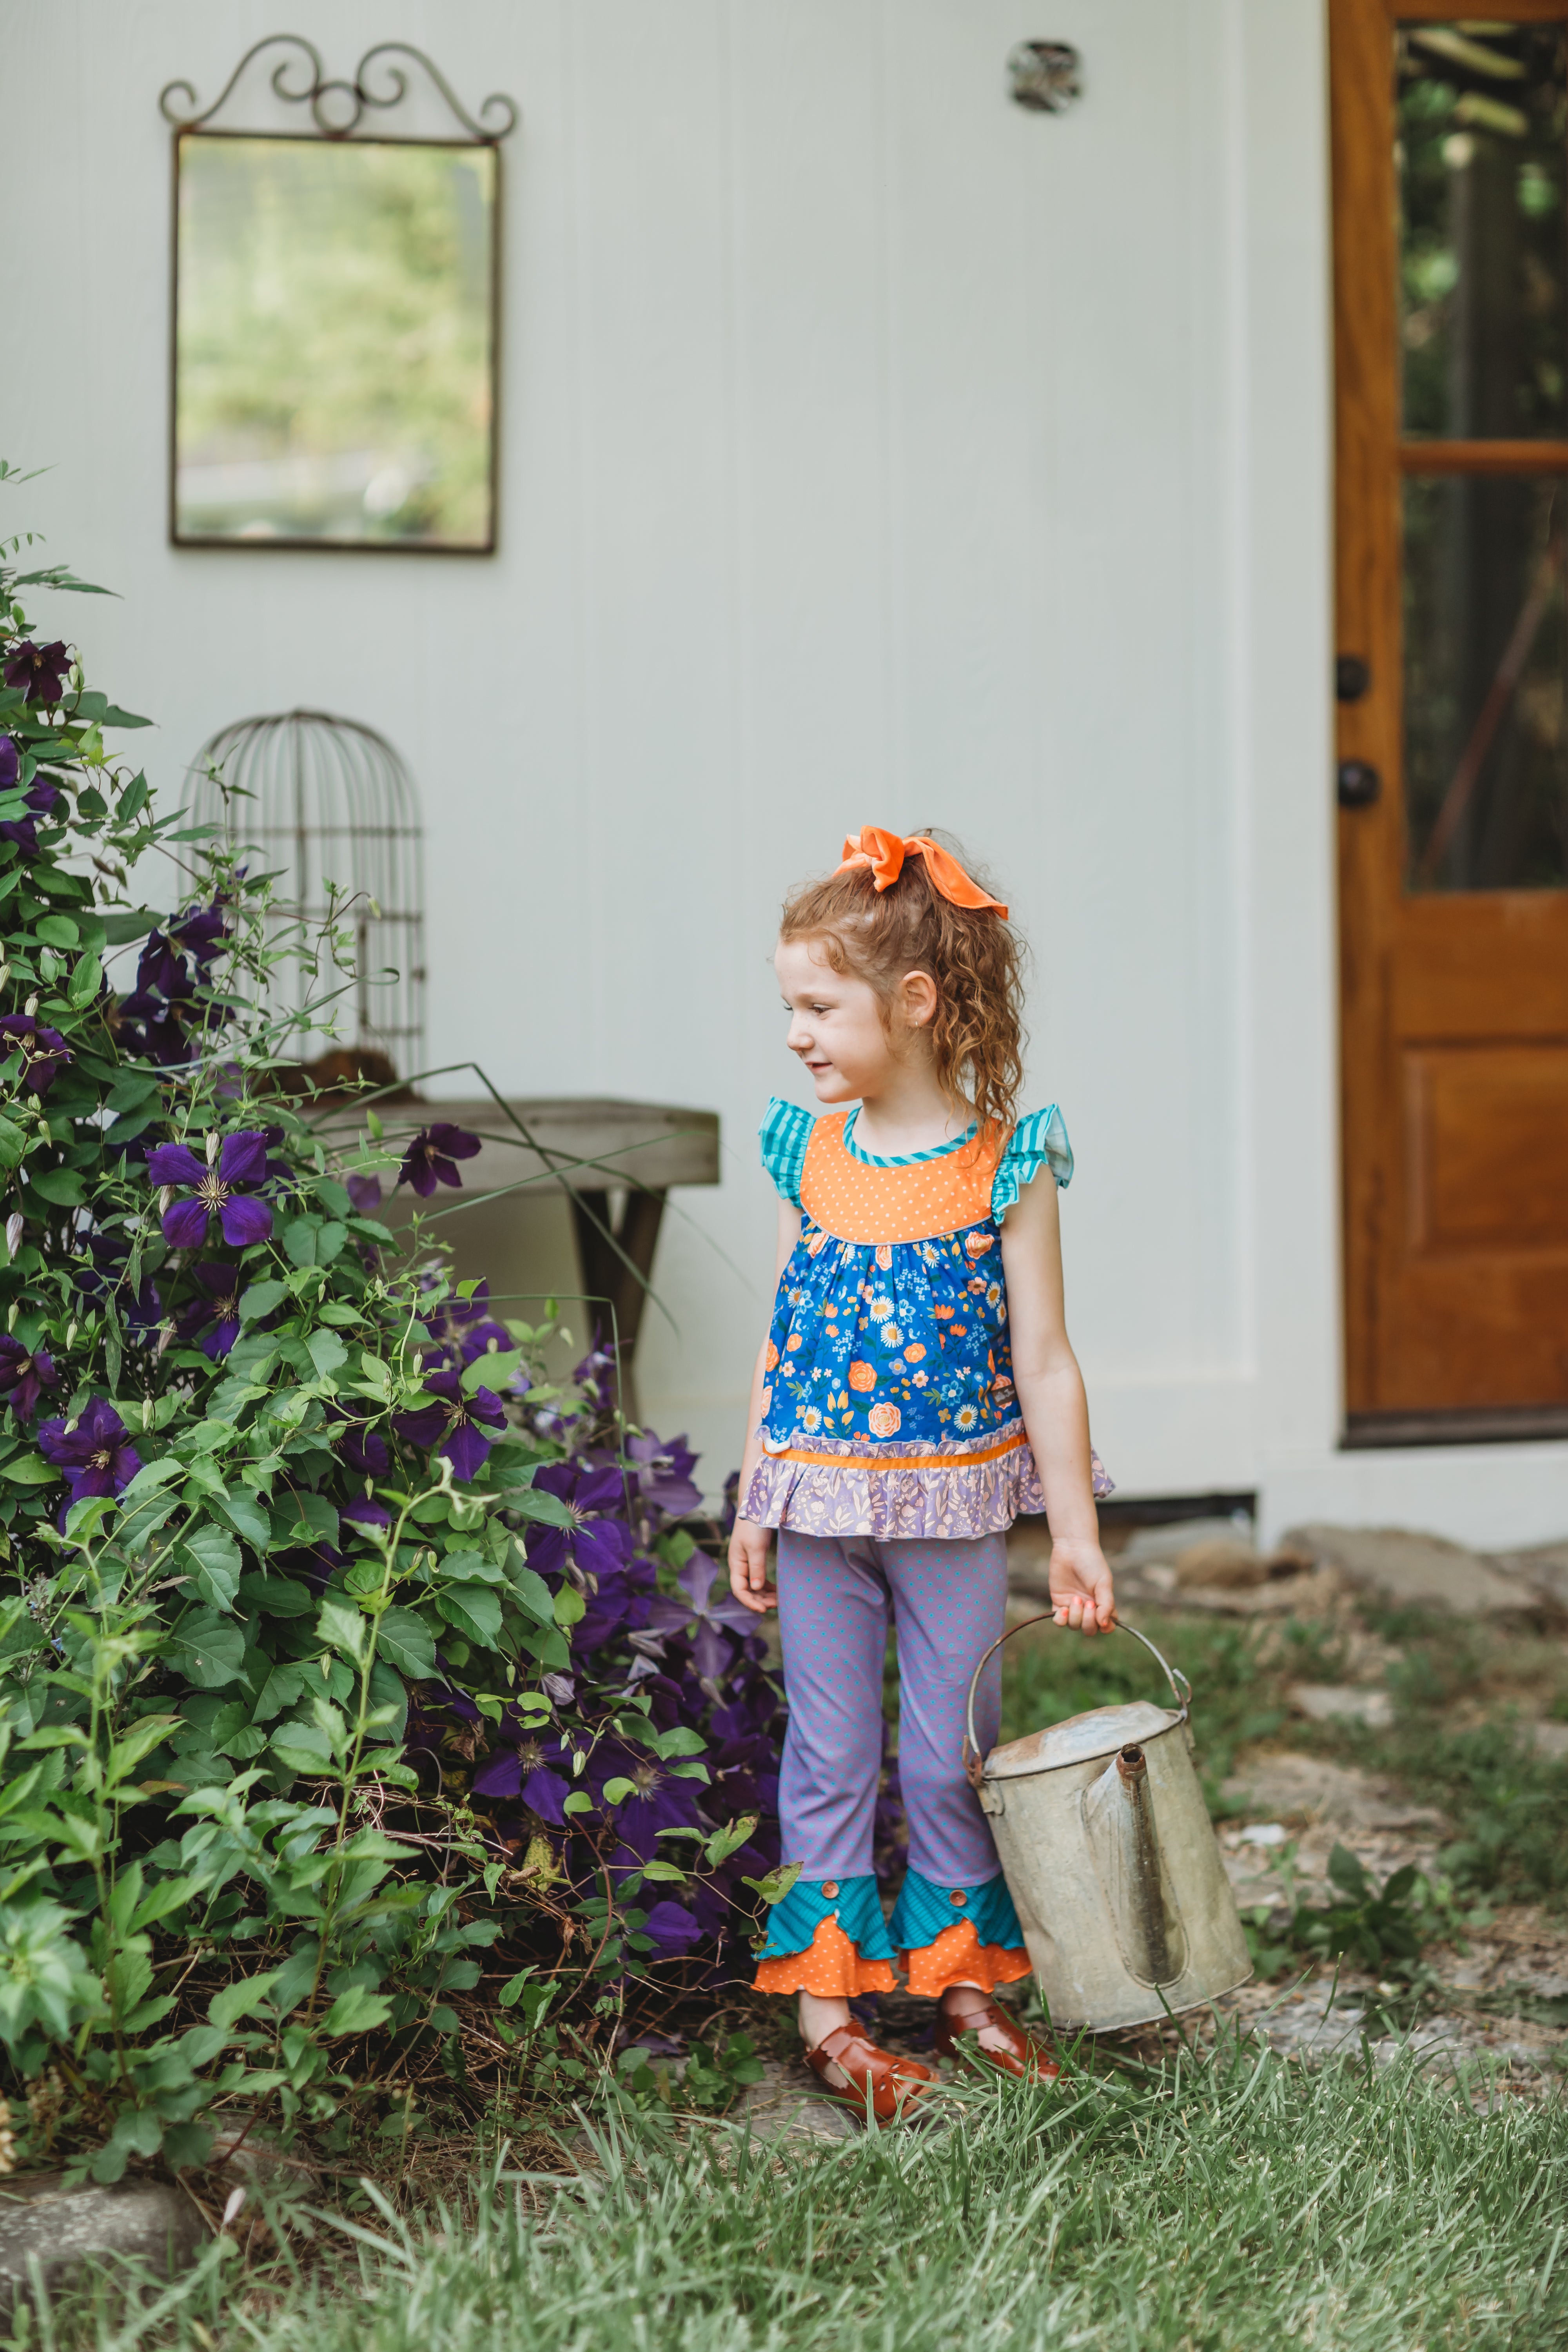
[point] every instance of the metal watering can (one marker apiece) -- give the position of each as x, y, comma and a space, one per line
1111, 1858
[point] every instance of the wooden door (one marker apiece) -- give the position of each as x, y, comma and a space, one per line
1451, 268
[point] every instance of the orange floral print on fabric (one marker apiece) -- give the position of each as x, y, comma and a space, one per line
862, 1376
830, 1967
958, 1957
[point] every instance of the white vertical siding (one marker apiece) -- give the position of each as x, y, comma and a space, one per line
872, 451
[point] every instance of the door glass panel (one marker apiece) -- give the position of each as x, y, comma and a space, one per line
1483, 230
1486, 761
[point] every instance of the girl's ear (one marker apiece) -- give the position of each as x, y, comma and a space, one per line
918, 998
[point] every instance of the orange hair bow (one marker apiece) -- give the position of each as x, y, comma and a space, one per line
885, 854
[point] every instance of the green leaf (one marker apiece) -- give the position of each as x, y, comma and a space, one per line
357, 2010
579, 1801
405, 1642
211, 1649
529, 1504
260, 1298
327, 1352
617, 1792
568, 1605
491, 1372
303, 1518
329, 1243
28, 1470
211, 1558
62, 1186
533, 1593
343, 1629
473, 1609
111, 714
246, 1516
299, 1239
120, 930
57, 932
241, 1998
284, 1687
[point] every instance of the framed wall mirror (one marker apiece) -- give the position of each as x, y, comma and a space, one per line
335, 328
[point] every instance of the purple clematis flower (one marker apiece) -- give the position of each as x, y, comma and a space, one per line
96, 1456
43, 1051
367, 1513
428, 1159
220, 1310
38, 671
460, 1423
465, 1326
364, 1191
40, 799
712, 1651
660, 1802
537, 1768
595, 1545
664, 1472
10, 763
219, 1191
24, 1375
673, 1931
361, 1450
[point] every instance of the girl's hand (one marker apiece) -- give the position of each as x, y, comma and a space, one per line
749, 1567
1081, 1591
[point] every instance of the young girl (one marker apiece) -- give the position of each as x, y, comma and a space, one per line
915, 1393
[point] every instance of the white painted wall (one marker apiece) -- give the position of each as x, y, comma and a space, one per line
872, 451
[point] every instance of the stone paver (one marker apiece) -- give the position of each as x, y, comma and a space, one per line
149, 2221
1411, 1571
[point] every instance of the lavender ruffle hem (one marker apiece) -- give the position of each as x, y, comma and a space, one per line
896, 1502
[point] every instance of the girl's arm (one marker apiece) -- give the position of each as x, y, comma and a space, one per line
1054, 1409
749, 1543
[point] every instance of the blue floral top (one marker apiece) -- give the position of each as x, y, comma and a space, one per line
889, 1408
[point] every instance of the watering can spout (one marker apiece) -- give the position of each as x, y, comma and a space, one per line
1119, 1815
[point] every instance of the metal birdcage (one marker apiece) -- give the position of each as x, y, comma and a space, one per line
329, 800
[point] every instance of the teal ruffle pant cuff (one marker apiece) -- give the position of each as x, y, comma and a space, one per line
796, 1919
922, 1911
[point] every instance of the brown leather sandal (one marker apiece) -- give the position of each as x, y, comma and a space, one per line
859, 2066
999, 2039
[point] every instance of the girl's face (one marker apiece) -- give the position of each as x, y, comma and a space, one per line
836, 1023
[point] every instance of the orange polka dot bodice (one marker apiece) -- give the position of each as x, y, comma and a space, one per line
855, 1199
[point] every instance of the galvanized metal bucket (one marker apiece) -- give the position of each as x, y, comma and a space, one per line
1111, 1858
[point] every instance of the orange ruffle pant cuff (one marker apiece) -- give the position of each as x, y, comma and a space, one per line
958, 1957
830, 1967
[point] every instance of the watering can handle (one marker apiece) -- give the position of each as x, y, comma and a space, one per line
1174, 1675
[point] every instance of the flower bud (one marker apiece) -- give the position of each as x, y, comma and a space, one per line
149, 1414
70, 1334
14, 1240
166, 1199
212, 1149
31, 1006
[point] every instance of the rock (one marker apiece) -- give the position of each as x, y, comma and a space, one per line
1414, 1571
1549, 1739
1288, 1596
1337, 1702
1168, 1543
1222, 1562
145, 2220
1545, 1569
1309, 1788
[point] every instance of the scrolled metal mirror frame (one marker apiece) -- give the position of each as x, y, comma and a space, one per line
337, 108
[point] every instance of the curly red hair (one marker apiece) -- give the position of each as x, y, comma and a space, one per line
974, 955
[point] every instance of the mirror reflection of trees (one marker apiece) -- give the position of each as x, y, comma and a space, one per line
335, 341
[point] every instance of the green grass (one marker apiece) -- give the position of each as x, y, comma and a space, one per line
1236, 2205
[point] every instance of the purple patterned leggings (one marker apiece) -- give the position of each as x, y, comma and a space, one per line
947, 1600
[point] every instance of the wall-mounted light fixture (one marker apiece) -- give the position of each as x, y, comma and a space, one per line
1045, 75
